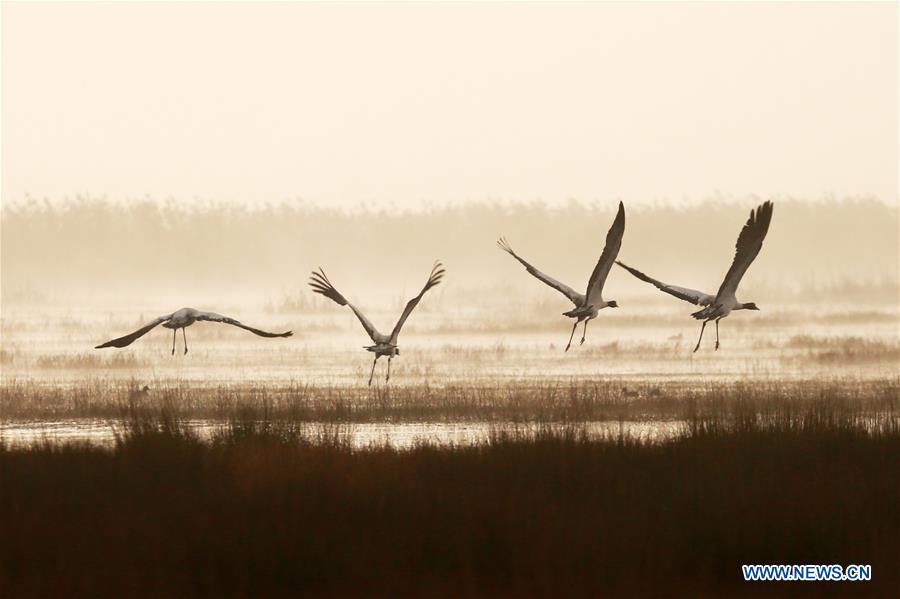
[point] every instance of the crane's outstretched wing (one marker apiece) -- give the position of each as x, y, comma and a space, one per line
748, 245
320, 284
689, 295
594, 291
213, 317
437, 273
575, 297
132, 337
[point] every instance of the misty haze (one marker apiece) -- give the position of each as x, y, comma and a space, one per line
212, 156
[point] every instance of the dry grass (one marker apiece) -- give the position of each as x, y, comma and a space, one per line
844, 350
561, 400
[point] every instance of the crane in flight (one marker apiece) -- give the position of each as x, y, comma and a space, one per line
182, 319
385, 345
718, 306
587, 305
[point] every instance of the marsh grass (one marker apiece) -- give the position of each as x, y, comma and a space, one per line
521, 400
843, 350
86, 360
269, 508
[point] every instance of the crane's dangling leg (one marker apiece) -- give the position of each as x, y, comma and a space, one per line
388, 377
701, 335
569, 344
174, 333
717, 333
371, 374
584, 332
184, 336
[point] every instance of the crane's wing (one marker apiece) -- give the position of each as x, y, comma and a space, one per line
437, 273
575, 297
132, 337
213, 317
689, 295
748, 245
320, 284
610, 251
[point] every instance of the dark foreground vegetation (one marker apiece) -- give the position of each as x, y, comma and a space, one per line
262, 510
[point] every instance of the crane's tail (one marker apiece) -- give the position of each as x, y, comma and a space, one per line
706, 312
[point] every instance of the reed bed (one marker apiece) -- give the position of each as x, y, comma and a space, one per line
266, 508
518, 400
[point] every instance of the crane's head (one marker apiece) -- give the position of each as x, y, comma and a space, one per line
612, 304
750, 306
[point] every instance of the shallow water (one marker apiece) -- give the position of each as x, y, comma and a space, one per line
49, 369
335, 357
401, 435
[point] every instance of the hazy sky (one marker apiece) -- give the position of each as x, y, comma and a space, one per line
402, 104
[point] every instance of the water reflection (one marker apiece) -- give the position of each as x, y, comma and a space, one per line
103, 433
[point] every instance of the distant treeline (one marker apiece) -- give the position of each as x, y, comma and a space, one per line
117, 249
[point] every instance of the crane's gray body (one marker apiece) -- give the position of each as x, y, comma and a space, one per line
383, 350
183, 318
